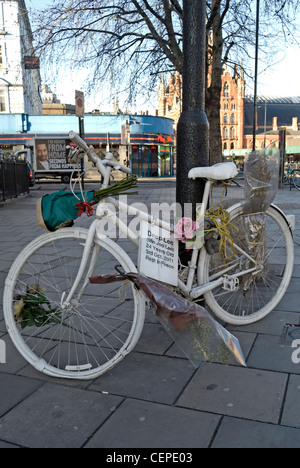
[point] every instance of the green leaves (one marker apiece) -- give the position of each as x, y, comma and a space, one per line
34, 309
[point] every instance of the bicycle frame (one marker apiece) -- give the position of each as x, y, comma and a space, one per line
105, 211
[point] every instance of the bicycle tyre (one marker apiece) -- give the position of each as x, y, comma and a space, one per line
96, 331
296, 180
257, 295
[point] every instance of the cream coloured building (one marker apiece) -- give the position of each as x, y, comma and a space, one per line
20, 86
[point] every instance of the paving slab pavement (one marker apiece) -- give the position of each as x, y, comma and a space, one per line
155, 398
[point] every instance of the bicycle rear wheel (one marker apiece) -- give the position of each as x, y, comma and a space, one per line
99, 327
265, 238
296, 180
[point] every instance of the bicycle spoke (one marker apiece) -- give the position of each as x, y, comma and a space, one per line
261, 264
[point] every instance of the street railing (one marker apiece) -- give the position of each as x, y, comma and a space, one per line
14, 180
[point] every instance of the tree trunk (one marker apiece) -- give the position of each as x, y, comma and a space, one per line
213, 92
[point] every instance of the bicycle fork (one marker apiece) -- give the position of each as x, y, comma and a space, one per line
85, 258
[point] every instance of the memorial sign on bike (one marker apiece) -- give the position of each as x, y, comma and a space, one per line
158, 254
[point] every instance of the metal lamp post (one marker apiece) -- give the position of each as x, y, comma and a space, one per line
193, 127
255, 77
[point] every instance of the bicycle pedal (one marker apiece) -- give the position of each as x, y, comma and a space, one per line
230, 283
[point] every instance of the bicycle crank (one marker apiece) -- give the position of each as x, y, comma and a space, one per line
228, 283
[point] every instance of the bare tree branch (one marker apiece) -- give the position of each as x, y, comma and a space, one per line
129, 43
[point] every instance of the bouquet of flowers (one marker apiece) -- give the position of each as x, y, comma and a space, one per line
59, 209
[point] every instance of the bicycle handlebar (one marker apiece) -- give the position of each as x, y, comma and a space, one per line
94, 158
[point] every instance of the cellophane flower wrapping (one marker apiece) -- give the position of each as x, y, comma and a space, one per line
194, 330
197, 334
261, 185
261, 179
200, 337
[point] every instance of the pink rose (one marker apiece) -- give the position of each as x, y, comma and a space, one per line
185, 229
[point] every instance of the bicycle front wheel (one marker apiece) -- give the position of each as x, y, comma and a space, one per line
91, 334
261, 257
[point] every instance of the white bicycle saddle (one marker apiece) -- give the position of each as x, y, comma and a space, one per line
220, 171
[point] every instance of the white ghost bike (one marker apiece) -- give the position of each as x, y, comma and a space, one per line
84, 329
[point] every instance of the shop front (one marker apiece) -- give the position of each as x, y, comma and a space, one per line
166, 161
144, 143
152, 161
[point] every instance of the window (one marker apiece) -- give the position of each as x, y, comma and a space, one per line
232, 132
232, 118
225, 119
225, 132
2, 102
226, 90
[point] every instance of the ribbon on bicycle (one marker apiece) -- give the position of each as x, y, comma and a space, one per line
85, 207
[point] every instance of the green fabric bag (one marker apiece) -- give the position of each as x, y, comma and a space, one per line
58, 210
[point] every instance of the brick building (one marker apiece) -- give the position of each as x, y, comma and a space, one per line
170, 97
232, 109
236, 114
232, 105
273, 113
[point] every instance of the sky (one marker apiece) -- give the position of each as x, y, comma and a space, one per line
281, 79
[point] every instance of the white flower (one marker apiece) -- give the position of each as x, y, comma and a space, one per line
18, 307
35, 288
